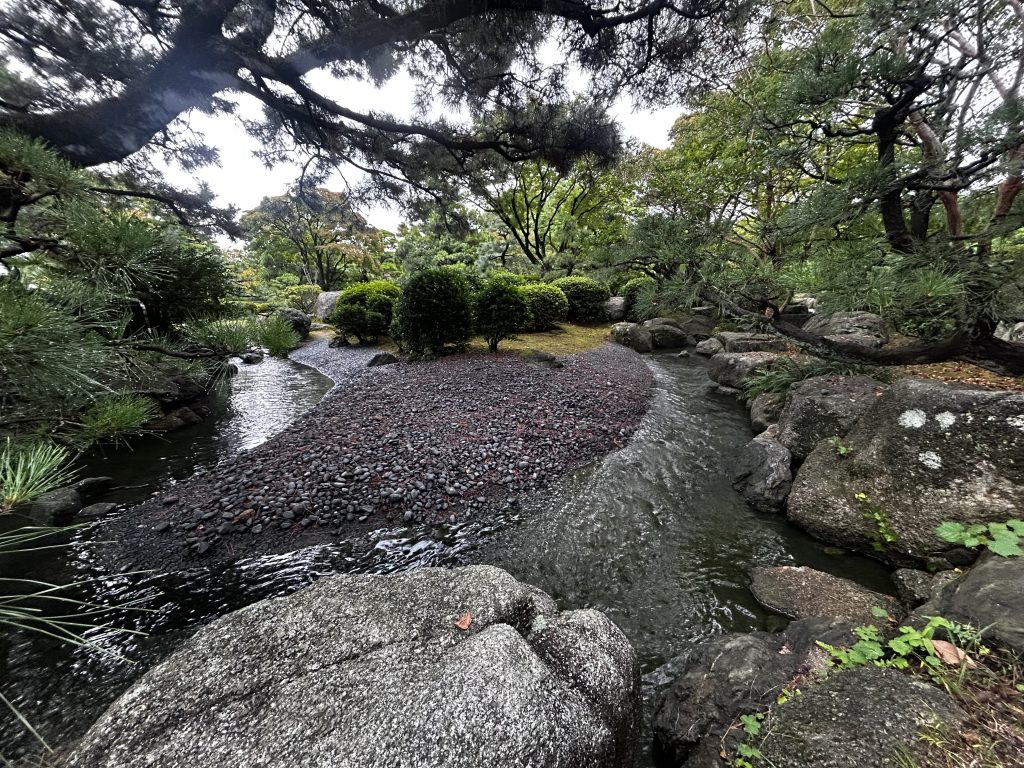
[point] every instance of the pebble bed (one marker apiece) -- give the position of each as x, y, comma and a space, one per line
409, 442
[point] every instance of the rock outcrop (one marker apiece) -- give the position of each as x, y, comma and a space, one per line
463, 667
765, 410
734, 369
822, 407
709, 347
633, 335
325, 302
763, 474
801, 593
861, 327
924, 453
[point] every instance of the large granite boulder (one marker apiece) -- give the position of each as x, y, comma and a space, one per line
709, 347
862, 718
325, 303
615, 308
822, 407
765, 410
735, 341
864, 328
924, 453
460, 668
632, 335
697, 326
734, 369
733, 675
669, 337
801, 592
299, 320
990, 596
762, 473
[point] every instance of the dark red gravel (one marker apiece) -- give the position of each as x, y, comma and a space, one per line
431, 441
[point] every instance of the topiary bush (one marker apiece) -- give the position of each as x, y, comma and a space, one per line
547, 304
365, 310
586, 298
501, 310
434, 309
633, 289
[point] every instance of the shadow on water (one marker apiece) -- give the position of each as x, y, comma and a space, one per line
653, 535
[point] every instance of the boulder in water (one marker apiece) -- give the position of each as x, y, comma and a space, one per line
460, 668
763, 474
733, 341
734, 369
801, 593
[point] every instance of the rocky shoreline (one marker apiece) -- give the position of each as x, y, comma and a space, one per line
424, 442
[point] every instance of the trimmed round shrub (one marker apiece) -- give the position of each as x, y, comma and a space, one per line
365, 310
586, 298
633, 289
501, 310
435, 309
547, 305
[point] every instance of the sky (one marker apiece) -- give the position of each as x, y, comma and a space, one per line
243, 180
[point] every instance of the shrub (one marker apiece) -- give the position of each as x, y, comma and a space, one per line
586, 298
365, 310
302, 297
229, 337
275, 334
434, 310
633, 289
501, 310
547, 304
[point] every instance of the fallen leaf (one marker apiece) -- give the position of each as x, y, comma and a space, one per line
952, 655
464, 621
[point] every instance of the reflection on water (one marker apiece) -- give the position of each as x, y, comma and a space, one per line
653, 534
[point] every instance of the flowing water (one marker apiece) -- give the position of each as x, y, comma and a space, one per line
653, 535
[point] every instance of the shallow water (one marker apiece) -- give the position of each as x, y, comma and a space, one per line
653, 534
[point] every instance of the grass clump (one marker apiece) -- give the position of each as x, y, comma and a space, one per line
27, 472
787, 371
276, 335
116, 416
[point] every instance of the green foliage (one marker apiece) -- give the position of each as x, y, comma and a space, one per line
501, 309
434, 310
302, 297
1003, 539
633, 289
366, 310
27, 471
586, 298
115, 417
911, 647
275, 334
547, 304
884, 534
838, 446
227, 336
785, 372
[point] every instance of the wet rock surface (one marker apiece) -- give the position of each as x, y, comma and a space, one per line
822, 407
763, 473
734, 369
634, 336
925, 452
765, 410
422, 442
464, 667
801, 593
855, 719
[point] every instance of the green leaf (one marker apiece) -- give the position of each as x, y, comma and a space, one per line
1005, 547
949, 531
879, 612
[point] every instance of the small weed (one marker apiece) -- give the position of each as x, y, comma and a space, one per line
838, 446
885, 535
1003, 539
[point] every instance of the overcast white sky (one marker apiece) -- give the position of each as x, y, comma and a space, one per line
243, 180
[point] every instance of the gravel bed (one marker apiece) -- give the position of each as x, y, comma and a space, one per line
410, 442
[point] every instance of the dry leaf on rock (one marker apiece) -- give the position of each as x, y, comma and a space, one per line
464, 621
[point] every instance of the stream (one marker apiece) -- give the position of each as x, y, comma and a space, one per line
652, 534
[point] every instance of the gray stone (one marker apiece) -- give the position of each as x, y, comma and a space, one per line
299, 320
763, 474
990, 596
822, 407
861, 718
88, 487
730, 676
859, 327
697, 326
615, 308
708, 347
55, 507
914, 587
252, 358
668, 337
632, 335
734, 369
765, 410
924, 453
96, 511
382, 358
802, 593
734, 341
373, 671
325, 302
